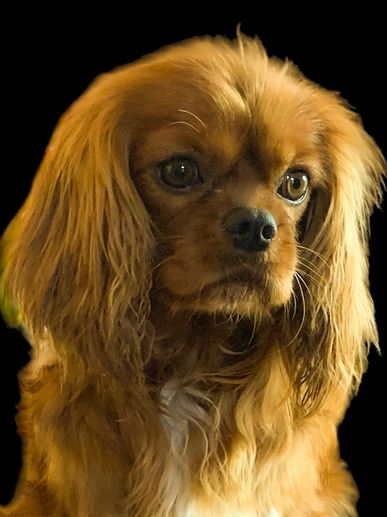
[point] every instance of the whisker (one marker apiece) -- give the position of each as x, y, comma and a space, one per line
291, 302
308, 275
162, 262
297, 276
294, 297
193, 115
303, 281
185, 124
169, 237
314, 276
314, 252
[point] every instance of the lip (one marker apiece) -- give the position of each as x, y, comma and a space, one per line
235, 284
241, 278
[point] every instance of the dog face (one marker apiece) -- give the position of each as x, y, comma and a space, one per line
226, 162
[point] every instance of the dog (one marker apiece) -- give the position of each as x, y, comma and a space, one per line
190, 268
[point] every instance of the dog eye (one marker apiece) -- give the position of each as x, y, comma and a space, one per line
294, 186
180, 173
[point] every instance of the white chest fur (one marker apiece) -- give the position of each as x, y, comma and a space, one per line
183, 411
192, 512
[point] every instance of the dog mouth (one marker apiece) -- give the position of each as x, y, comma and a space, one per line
242, 277
244, 281
239, 292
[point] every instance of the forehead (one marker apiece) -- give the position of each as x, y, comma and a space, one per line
223, 102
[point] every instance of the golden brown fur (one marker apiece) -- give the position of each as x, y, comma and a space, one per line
158, 385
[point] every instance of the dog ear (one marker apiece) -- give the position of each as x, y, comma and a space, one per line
76, 259
339, 324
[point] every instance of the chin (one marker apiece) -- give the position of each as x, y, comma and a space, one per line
244, 285
240, 295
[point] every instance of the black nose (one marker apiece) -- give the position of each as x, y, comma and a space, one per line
250, 229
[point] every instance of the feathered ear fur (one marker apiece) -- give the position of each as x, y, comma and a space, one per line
76, 259
339, 323
76, 264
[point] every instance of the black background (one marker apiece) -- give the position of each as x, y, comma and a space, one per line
50, 58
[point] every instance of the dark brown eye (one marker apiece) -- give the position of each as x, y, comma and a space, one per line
294, 186
180, 173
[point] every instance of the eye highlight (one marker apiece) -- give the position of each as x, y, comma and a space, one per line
294, 186
180, 173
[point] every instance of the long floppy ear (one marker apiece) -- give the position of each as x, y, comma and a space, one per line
339, 325
76, 258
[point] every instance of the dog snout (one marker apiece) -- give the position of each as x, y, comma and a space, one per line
250, 229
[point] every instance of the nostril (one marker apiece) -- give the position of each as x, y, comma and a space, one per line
268, 232
245, 227
239, 222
